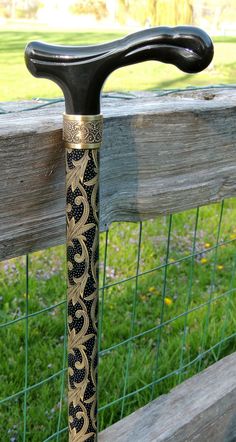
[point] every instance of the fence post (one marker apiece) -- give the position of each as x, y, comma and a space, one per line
81, 71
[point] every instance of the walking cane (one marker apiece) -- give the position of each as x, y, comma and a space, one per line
80, 71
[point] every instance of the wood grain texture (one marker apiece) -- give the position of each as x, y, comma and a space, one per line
160, 155
201, 409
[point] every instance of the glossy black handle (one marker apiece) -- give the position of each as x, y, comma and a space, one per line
80, 71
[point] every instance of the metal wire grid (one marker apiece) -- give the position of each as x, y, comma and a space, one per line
196, 255
142, 311
28, 388
39, 103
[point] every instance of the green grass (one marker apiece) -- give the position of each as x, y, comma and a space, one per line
159, 357
190, 283
46, 335
17, 83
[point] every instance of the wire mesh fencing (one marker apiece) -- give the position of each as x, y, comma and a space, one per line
167, 310
173, 314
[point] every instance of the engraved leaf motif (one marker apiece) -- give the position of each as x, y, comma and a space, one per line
82, 237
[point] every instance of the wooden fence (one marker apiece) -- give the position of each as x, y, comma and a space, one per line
161, 154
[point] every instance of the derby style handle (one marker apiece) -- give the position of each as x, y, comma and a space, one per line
80, 71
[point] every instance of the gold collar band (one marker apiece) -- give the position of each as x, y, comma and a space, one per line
82, 131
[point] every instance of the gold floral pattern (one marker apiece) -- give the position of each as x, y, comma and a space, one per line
82, 259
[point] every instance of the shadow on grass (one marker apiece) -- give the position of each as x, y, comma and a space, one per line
229, 71
168, 83
13, 41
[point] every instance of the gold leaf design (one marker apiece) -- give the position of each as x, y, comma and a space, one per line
82, 244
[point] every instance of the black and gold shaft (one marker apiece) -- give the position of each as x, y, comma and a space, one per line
82, 139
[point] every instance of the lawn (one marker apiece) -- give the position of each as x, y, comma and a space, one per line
17, 83
186, 263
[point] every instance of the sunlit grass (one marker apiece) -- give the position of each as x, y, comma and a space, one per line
156, 352
17, 83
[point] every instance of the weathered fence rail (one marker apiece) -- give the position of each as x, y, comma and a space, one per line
191, 134
201, 409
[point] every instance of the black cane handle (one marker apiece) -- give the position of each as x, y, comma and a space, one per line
80, 71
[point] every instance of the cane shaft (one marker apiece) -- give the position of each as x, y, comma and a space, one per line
82, 166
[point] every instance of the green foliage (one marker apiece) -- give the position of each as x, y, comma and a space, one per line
176, 12
28, 9
219, 11
19, 8
96, 7
156, 12
5, 9
122, 11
